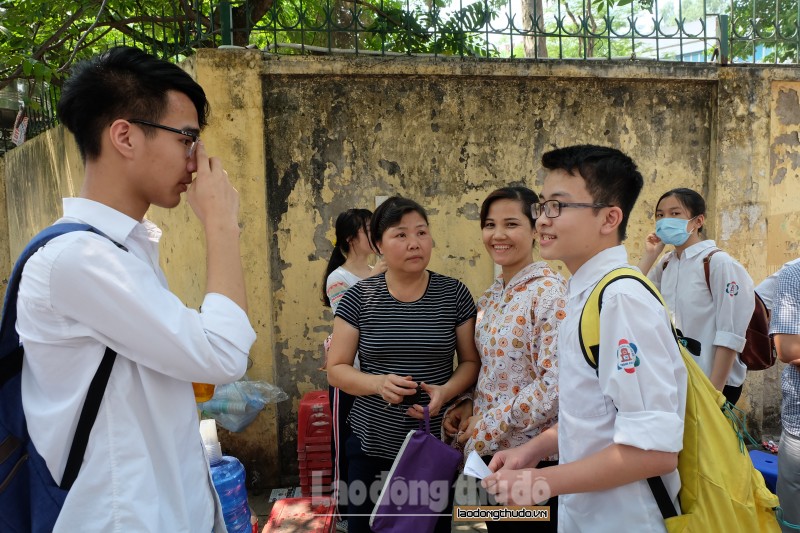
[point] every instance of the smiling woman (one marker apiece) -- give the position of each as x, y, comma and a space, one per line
406, 325
516, 397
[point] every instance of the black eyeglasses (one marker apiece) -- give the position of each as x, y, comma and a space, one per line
190, 146
552, 208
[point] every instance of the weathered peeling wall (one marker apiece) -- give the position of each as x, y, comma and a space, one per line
446, 136
306, 138
779, 179
37, 175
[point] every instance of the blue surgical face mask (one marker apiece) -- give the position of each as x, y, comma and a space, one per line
673, 230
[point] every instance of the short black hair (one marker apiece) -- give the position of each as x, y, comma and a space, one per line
122, 82
690, 199
521, 194
389, 213
611, 176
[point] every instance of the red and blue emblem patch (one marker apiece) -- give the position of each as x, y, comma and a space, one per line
627, 359
732, 289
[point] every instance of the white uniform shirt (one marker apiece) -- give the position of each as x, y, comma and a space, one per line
337, 284
144, 468
721, 321
643, 408
767, 288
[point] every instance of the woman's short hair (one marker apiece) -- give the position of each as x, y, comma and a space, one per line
389, 214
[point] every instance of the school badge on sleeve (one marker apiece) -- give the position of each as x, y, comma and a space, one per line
627, 359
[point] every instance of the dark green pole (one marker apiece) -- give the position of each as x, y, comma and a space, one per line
225, 17
724, 41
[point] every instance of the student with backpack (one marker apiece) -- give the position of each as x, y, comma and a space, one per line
711, 311
785, 330
86, 295
623, 422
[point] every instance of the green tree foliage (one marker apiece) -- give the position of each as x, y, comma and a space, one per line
765, 30
41, 39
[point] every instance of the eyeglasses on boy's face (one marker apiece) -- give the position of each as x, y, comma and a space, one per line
552, 208
191, 142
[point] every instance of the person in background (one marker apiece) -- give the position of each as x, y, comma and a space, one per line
714, 315
349, 264
136, 120
785, 330
516, 397
405, 324
766, 289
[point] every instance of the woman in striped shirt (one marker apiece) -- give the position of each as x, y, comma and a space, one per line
406, 325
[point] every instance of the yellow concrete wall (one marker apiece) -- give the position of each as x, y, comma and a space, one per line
235, 133
37, 175
306, 138
340, 132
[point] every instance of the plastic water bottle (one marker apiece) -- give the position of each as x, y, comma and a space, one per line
228, 476
229, 481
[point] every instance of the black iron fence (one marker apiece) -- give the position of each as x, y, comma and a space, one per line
722, 32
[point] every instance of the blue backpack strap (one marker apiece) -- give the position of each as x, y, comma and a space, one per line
11, 351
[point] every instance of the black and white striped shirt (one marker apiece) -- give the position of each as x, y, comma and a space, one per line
416, 339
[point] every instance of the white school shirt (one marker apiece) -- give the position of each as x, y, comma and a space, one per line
721, 321
336, 285
144, 469
641, 406
767, 288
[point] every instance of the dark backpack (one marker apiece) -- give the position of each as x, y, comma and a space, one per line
759, 349
30, 500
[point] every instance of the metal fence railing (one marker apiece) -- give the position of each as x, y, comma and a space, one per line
717, 31
722, 32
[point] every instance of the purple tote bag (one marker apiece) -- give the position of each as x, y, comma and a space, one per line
417, 489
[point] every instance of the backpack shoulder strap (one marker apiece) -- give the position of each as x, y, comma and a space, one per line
707, 267
589, 336
11, 355
589, 329
9, 340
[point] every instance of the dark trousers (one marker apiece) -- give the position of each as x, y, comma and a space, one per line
521, 526
340, 403
365, 471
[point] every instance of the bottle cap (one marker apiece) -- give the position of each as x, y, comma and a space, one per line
208, 432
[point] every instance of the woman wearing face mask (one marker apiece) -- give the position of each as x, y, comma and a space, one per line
713, 317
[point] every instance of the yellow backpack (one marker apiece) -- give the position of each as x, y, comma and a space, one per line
720, 488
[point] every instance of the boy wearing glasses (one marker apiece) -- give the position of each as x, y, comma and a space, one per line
136, 120
621, 424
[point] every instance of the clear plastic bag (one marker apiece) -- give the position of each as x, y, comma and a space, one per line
235, 405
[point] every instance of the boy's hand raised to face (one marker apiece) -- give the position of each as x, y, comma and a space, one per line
212, 197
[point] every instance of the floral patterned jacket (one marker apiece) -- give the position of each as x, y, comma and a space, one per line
516, 335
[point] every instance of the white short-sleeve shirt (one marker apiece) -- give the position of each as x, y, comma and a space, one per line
767, 288
643, 408
716, 318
